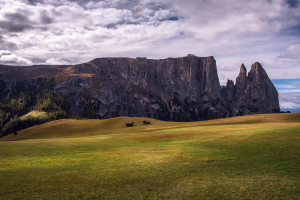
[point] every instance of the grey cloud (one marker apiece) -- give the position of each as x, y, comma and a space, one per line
112, 26
290, 101
121, 4
14, 27
39, 60
45, 19
292, 97
17, 17
32, 2
15, 22
7, 45
125, 4
232, 31
19, 21
293, 31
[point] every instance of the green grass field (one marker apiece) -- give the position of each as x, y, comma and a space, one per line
250, 157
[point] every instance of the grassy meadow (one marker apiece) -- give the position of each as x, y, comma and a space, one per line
250, 157
35, 114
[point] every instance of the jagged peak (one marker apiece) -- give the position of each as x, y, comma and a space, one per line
229, 82
243, 70
241, 80
257, 68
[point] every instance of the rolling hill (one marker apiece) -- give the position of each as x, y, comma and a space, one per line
249, 157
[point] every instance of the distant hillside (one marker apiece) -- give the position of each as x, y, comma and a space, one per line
68, 128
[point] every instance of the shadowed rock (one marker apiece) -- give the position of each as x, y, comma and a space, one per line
176, 89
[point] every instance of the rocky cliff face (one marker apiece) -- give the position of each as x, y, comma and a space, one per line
176, 89
251, 94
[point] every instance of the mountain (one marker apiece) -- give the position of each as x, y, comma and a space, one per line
251, 94
172, 89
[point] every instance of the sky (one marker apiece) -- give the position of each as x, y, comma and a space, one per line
233, 31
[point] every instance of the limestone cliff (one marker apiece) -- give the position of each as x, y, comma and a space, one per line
176, 89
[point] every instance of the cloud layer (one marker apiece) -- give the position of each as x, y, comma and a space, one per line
75, 31
8, 57
289, 93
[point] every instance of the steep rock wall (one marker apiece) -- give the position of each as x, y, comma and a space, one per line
176, 89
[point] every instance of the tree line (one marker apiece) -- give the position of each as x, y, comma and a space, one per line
21, 100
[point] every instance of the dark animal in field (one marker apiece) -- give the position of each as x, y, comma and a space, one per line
129, 124
147, 122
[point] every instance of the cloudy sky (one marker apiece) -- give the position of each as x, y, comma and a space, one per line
233, 31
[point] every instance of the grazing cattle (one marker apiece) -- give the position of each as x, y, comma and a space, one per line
146, 122
129, 124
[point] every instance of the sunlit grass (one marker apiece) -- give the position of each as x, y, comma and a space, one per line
35, 114
252, 157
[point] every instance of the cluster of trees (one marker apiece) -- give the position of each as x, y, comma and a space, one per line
16, 124
11, 107
17, 103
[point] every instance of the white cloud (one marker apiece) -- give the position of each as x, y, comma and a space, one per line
289, 105
283, 86
6, 57
294, 49
56, 61
289, 100
290, 91
234, 31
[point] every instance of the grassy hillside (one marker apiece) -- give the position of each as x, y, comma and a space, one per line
250, 157
35, 114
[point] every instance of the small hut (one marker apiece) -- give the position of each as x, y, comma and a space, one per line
129, 124
147, 122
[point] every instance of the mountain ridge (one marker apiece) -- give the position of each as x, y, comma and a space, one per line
172, 89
